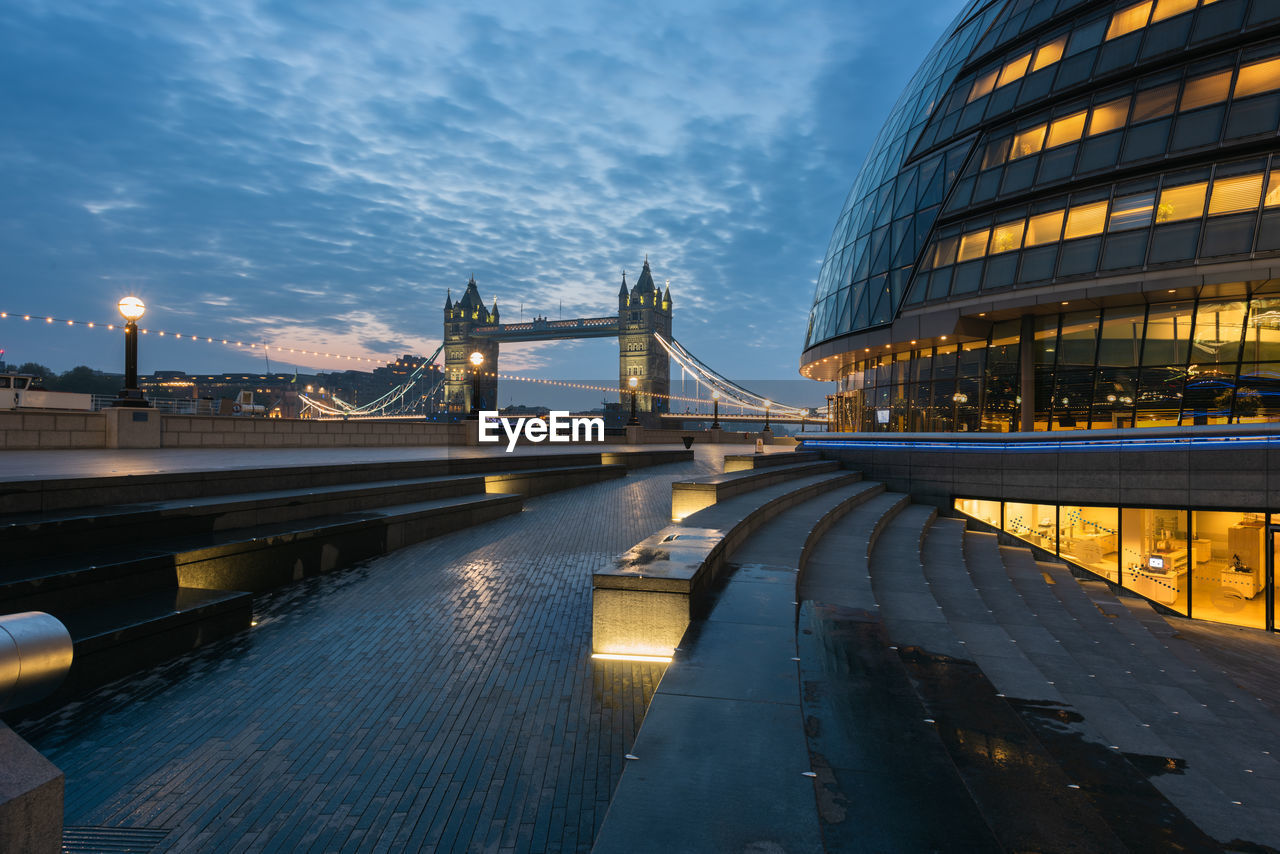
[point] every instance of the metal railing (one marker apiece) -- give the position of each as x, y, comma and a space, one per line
166, 405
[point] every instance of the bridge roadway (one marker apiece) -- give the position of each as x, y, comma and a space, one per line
439, 698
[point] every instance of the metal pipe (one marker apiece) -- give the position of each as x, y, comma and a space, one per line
35, 655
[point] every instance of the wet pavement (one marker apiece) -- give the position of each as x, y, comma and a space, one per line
441, 697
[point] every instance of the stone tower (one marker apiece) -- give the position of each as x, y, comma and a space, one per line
466, 386
642, 311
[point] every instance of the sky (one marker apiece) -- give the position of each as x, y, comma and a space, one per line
316, 175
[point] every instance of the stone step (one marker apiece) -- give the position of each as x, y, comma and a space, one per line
1137, 703
985, 640
46, 495
747, 462
727, 709
837, 572
116, 637
644, 601
42, 534
690, 496
254, 558
1094, 738
908, 665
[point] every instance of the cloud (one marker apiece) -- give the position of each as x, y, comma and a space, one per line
318, 175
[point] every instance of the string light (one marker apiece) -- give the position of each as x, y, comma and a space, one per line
4, 315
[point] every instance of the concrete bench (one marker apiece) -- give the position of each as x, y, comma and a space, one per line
747, 462
643, 602
690, 496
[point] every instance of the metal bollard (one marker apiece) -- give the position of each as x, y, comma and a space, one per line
35, 654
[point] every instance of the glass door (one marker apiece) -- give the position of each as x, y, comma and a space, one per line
1273, 548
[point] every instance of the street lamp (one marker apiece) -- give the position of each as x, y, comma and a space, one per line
477, 359
131, 309
632, 382
767, 404
715, 419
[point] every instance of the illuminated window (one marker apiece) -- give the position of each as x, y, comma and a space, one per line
1259, 77
1154, 103
1232, 195
1067, 129
1045, 228
1028, 142
1085, 220
974, 245
1181, 202
1170, 8
1273, 190
1007, 237
944, 252
1129, 19
1013, 70
1132, 212
1108, 116
1049, 54
1203, 91
983, 85
996, 153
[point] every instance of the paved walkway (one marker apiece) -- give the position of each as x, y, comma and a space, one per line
441, 697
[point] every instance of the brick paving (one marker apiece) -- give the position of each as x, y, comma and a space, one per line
438, 698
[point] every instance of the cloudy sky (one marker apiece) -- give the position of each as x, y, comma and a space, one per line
316, 175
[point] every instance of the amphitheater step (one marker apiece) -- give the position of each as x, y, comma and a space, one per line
727, 709
837, 572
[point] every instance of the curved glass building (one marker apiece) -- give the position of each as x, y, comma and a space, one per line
1070, 220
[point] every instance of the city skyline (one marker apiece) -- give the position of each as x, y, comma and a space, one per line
318, 179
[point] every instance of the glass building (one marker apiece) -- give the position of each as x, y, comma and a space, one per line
1070, 220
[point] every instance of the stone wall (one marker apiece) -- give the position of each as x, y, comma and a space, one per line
54, 430
29, 430
1228, 468
212, 431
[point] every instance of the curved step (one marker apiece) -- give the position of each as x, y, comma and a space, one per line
727, 709
643, 602
837, 572
985, 639
1137, 703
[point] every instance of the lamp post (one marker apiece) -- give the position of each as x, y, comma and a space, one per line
767, 404
632, 382
131, 309
477, 360
715, 402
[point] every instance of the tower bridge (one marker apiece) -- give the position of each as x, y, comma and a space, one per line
473, 333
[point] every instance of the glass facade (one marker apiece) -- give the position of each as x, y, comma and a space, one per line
1206, 361
1210, 565
1044, 144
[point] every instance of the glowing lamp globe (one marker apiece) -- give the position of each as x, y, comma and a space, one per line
131, 308
477, 358
632, 382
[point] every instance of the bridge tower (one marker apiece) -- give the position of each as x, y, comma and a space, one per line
466, 386
643, 311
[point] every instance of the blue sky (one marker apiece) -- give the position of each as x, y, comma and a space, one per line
316, 175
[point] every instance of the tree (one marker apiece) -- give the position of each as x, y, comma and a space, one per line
43, 374
86, 380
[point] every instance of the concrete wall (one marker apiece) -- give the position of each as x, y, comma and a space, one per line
26, 430
32, 430
1235, 468
212, 431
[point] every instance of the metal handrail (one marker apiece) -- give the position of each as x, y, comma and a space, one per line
35, 655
